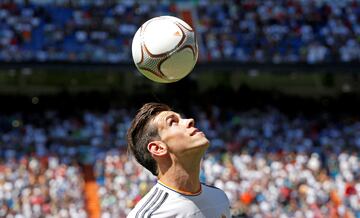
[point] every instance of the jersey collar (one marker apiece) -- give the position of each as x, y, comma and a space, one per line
180, 191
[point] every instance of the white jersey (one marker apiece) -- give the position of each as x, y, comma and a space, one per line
163, 201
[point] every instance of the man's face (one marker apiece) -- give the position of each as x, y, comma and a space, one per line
180, 135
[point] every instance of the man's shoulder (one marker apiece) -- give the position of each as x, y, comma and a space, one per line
210, 187
213, 190
151, 201
217, 195
161, 201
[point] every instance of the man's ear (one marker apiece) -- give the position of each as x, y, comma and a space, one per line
157, 148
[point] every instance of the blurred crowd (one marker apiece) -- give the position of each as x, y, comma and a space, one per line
41, 157
34, 187
269, 164
283, 31
280, 31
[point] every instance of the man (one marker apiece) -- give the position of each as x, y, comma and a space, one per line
171, 148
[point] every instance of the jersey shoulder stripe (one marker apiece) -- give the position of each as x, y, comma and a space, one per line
151, 204
146, 203
159, 204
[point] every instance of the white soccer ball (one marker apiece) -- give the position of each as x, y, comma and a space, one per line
165, 49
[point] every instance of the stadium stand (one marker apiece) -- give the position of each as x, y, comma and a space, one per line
268, 163
33, 186
283, 31
295, 159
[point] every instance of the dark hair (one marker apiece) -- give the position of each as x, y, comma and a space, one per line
141, 132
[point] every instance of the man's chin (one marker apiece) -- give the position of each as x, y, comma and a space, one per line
203, 145
206, 143
200, 147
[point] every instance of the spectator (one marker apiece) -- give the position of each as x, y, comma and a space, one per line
256, 31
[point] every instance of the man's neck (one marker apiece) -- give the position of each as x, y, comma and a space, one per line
182, 180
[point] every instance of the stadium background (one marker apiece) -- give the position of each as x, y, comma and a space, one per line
276, 89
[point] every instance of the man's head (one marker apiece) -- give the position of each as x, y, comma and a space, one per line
158, 132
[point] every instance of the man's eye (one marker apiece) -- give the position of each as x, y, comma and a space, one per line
172, 122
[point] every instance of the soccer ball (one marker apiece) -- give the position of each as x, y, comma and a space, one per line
165, 49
